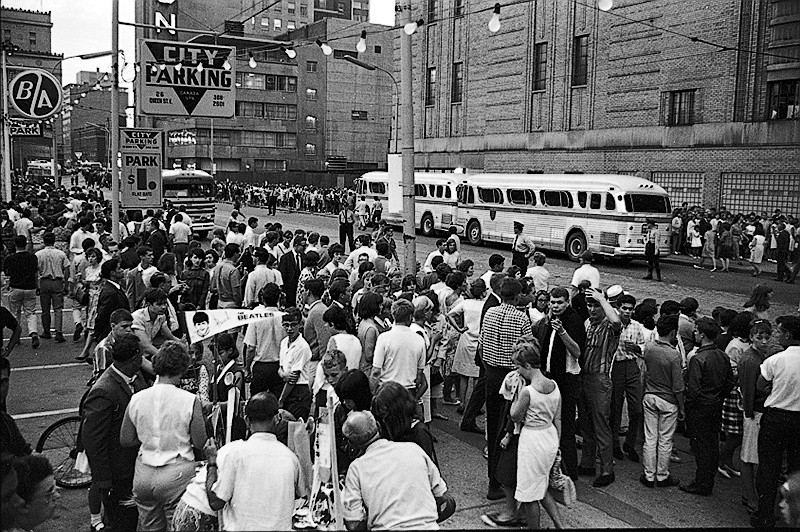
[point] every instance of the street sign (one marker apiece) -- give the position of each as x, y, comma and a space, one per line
171, 82
141, 151
78, 154
24, 128
36, 94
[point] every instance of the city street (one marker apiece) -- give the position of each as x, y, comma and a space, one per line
47, 384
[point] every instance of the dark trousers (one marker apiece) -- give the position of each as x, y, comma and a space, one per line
476, 400
266, 378
779, 434
346, 234
298, 402
519, 259
596, 424
626, 381
273, 205
702, 425
654, 262
119, 518
51, 294
494, 416
783, 271
570, 387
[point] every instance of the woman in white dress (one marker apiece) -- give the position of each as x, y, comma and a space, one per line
538, 407
757, 250
468, 311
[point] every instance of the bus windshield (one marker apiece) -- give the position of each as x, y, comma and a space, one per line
178, 190
650, 203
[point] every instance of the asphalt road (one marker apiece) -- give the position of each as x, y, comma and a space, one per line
46, 385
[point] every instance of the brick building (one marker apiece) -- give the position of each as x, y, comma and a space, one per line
565, 87
30, 31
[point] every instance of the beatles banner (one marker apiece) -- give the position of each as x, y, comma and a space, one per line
203, 324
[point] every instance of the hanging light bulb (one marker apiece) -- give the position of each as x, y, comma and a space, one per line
178, 66
411, 27
361, 47
162, 66
605, 5
326, 48
494, 23
226, 65
199, 66
154, 69
252, 61
289, 52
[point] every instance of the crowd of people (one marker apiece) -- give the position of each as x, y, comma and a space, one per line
550, 368
305, 198
709, 235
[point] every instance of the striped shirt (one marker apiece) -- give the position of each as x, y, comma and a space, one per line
602, 339
501, 327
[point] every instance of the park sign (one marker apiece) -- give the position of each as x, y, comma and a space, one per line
24, 128
35, 94
141, 151
187, 79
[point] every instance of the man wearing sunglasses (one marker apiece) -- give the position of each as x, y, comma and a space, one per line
602, 339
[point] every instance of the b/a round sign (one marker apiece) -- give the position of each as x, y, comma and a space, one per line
35, 94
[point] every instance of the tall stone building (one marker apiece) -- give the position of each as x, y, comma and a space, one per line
703, 99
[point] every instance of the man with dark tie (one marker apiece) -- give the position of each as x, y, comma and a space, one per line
290, 266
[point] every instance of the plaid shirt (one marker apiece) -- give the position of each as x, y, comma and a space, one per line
602, 339
502, 326
634, 333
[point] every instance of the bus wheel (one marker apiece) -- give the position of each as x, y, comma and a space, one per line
427, 224
576, 245
202, 235
474, 233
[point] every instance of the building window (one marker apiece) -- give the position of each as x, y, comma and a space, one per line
784, 100
290, 8
340, 7
291, 84
580, 60
290, 25
432, 8
458, 8
32, 38
311, 149
311, 123
276, 24
430, 87
279, 111
303, 10
250, 80
311, 95
377, 49
458, 83
341, 54
540, 66
359, 115
250, 109
6, 35
270, 165
265, 22
311, 66
681, 108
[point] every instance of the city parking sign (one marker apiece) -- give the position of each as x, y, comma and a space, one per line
35, 94
187, 79
141, 168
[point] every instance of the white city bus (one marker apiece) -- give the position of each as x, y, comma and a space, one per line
435, 198
193, 189
604, 213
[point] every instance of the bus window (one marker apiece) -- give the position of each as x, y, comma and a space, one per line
377, 188
611, 203
556, 198
432, 190
439, 191
490, 195
447, 192
595, 201
360, 187
470, 195
651, 203
582, 199
419, 191
519, 196
179, 190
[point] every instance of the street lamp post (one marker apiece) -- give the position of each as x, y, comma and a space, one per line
409, 207
395, 118
114, 119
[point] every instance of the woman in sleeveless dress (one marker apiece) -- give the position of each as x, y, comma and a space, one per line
538, 408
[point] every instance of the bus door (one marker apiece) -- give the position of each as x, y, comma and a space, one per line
463, 211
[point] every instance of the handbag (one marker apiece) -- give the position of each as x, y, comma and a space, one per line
436, 376
561, 487
81, 294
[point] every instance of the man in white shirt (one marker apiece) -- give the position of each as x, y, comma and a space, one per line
352, 259
538, 273
77, 238
255, 482
251, 238
392, 485
262, 345
400, 352
295, 354
585, 272
259, 277
438, 252
497, 264
179, 235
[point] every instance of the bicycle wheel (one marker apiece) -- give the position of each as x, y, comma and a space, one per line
59, 443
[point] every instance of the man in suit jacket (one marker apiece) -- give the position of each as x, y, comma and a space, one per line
113, 465
138, 279
478, 397
111, 298
783, 252
290, 266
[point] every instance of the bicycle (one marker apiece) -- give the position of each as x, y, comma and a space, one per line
60, 443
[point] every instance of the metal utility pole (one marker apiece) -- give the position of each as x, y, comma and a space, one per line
114, 119
409, 206
6, 133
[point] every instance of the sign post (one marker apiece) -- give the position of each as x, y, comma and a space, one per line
141, 168
187, 79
